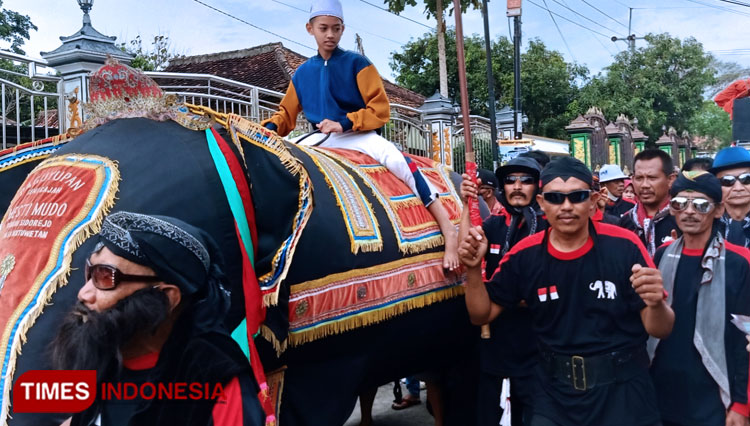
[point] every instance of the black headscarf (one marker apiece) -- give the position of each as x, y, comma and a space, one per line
565, 168
530, 213
699, 181
179, 253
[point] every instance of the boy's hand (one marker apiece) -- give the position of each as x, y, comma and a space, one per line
328, 126
468, 188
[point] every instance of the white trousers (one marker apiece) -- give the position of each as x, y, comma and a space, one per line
374, 145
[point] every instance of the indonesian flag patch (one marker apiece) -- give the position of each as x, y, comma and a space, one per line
542, 293
494, 248
553, 293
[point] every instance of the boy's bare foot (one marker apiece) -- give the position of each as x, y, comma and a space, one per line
450, 258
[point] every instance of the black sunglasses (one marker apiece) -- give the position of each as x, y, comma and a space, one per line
108, 277
575, 197
701, 205
729, 180
525, 180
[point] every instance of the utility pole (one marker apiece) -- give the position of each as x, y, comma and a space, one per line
514, 10
631, 38
490, 85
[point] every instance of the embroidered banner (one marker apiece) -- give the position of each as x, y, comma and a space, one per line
348, 300
414, 226
25, 153
60, 204
356, 211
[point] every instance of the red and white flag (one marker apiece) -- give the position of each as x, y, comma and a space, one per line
542, 293
553, 293
494, 248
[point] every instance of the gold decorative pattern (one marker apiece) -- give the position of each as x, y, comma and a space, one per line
356, 211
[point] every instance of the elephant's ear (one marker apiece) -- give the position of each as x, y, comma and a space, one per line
281, 191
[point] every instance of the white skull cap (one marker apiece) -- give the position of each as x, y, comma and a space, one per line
326, 8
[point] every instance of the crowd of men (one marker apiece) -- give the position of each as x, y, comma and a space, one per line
609, 311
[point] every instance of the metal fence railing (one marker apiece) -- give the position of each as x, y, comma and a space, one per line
481, 141
29, 99
29, 103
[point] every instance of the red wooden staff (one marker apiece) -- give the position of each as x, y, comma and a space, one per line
471, 165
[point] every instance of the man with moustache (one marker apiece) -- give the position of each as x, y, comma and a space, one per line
701, 370
653, 174
594, 297
520, 217
732, 167
152, 311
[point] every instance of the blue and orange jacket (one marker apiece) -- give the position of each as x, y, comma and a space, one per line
346, 88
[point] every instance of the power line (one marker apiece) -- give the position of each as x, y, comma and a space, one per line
582, 16
558, 30
738, 3
602, 12
726, 9
571, 21
396, 14
353, 27
253, 25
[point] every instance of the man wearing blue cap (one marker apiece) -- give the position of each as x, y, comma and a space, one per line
701, 370
732, 167
520, 217
342, 95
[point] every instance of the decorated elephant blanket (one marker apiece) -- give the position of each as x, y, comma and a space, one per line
362, 249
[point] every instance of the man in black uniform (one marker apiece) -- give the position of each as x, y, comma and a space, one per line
594, 297
701, 370
650, 219
732, 167
520, 218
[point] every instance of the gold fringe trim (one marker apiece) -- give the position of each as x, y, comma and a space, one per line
362, 272
275, 145
221, 119
267, 334
406, 202
241, 129
61, 279
355, 246
373, 317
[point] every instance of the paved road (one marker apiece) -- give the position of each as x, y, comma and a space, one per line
384, 415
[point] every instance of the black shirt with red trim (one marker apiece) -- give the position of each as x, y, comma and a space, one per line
497, 357
687, 393
582, 303
238, 404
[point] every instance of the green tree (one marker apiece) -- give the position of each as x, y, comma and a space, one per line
726, 74
436, 9
14, 28
712, 124
660, 84
155, 58
549, 85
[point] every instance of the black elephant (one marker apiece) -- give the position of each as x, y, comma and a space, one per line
306, 237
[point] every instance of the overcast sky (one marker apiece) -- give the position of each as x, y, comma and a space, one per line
194, 28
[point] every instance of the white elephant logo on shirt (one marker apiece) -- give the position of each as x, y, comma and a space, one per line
606, 289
